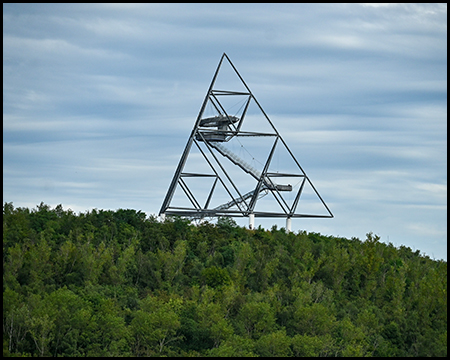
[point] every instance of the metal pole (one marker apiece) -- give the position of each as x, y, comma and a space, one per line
288, 224
251, 221
187, 149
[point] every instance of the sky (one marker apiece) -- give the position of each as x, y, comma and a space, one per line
99, 101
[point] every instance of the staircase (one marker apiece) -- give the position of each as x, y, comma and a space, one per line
236, 160
267, 184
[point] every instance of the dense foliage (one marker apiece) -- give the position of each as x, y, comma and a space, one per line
119, 283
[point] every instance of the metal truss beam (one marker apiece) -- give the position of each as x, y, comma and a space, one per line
204, 133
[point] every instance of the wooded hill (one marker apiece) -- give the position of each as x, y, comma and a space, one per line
119, 283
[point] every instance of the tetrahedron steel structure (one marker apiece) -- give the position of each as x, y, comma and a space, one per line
235, 162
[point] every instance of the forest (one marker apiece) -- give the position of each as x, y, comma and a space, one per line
121, 283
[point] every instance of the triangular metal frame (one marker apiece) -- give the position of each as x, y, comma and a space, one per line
213, 132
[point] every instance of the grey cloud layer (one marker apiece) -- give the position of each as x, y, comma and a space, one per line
99, 100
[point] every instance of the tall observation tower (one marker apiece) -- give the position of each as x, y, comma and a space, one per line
236, 164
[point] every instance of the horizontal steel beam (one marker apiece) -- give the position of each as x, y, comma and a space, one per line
284, 175
197, 175
226, 92
235, 133
208, 213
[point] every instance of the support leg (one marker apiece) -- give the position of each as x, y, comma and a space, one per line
288, 225
251, 221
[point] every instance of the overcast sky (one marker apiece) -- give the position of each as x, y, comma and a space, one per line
99, 102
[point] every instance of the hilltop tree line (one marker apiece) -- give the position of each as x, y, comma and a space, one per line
120, 283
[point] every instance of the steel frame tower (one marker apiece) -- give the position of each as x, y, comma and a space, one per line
209, 137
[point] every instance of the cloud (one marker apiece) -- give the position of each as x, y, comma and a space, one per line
99, 101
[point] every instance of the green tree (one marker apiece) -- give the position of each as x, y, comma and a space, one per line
216, 277
41, 323
313, 346
15, 315
156, 325
116, 283
274, 344
72, 317
255, 319
234, 346
107, 333
212, 318
171, 263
